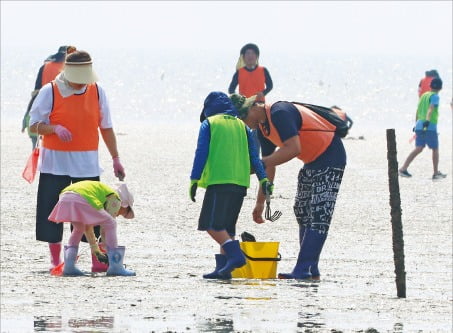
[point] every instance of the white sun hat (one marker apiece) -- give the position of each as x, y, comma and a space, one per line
80, 72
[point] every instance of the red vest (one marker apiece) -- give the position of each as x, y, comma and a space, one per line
425, 85
315, 135
251, 83
81, 115
50, 71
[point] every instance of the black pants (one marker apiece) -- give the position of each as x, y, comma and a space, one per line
49, 189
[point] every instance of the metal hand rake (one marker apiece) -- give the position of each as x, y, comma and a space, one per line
268, 213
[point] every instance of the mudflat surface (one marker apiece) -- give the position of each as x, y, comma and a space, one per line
357, 292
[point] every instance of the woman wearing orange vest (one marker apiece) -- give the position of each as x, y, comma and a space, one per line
299, 132
52, 66
69, 112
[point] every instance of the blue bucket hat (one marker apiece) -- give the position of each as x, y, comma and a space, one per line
217, 102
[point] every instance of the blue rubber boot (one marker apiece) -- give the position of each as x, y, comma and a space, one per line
220, 261
235, 259
116, 267
314, 270
70, 257
309, 253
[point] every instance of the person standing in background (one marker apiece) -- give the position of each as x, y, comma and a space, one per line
52, 66
426, 129
251, 78
69, 151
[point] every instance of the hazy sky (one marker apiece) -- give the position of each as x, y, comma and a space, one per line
389, 27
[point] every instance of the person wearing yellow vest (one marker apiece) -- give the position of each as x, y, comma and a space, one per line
52, 66
68, 113
252, 78
299, 133
222, 164
88, 203
426, 130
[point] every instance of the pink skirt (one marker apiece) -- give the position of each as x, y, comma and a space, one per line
72, 207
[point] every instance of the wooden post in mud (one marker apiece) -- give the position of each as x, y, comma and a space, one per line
395, 205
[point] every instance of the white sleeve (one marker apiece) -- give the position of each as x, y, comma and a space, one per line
42, 105
106, 119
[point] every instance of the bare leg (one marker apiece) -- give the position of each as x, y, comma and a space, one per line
219, 236
411, 157
436, 160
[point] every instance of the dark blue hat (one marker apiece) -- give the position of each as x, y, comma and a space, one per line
436, 84
217, 102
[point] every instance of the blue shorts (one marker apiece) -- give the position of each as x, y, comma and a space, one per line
429, 138
221, 207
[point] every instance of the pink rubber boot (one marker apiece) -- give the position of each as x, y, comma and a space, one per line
55, 249
96, 265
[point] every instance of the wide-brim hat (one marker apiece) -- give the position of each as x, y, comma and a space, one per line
127, 200
80, 72
242, 104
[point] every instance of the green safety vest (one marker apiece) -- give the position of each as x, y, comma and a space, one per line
423, 106
92, 191
228, 159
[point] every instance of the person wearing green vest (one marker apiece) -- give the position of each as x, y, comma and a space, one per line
224, 157
426, 129
86, 204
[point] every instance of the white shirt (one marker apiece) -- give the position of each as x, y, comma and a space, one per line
76, 163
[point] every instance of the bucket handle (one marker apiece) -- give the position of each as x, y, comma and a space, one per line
263, 259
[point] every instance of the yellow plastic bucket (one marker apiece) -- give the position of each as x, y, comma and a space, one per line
261, 260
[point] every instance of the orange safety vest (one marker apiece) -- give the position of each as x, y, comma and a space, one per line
80, 114
424, 85
50, 71
250, 83
315, 135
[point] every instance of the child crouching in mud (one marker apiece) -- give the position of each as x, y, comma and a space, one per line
223, 159
86, 204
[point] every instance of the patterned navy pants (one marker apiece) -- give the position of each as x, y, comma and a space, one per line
316, 196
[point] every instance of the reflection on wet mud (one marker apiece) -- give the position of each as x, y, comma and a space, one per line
56, 323
310, 320
219, 325
47, 323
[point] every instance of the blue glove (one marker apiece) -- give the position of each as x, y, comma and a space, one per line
193, 189
425, 125
266, 186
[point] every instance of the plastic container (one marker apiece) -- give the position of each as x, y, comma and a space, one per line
261, 260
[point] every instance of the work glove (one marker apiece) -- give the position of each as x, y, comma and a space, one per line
62, 133
118, 168
101, 256
193, 189
266, 186
425, 124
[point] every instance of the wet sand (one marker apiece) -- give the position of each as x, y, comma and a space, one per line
357, 291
